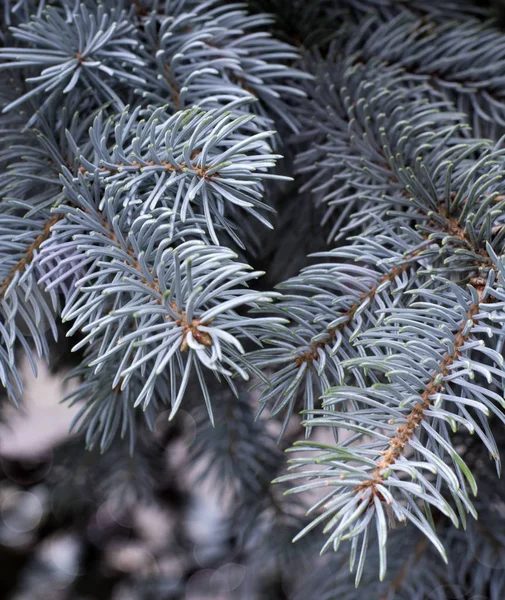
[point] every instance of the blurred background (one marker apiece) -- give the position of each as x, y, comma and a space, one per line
190, 515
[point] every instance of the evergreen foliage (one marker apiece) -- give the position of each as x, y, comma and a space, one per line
146, 148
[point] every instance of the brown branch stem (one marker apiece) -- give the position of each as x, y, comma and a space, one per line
202, 171
28, 257
181, 320
311, 354
405, 432
453, 228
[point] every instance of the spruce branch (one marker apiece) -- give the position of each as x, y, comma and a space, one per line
448, 396
178, 291
346, 161
26, 312
342, 299
34, 157
410, 178
422, 361
88, 50
347, 295
415, 571
91, 46
207, 159
470, 76
208, 56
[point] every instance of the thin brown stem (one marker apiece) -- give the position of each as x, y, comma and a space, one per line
312, 354
181, 319
202, 171
405, 432
28, 257
453, 228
